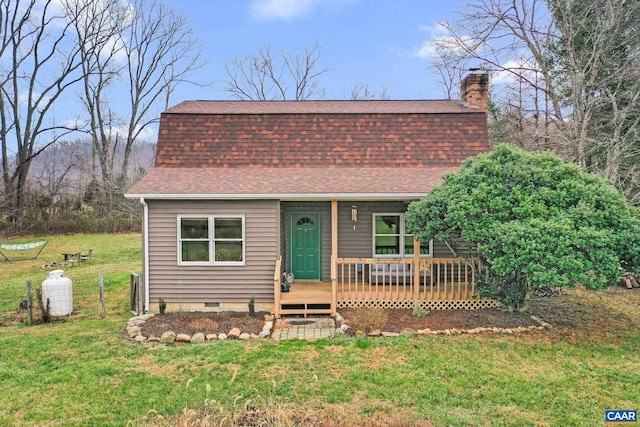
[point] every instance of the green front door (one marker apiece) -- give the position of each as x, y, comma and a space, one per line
305, 246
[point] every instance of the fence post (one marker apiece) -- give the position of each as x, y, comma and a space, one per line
29, 303
133, 291
101, 288
141, 293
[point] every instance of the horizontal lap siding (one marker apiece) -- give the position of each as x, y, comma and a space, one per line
358, 243
176, 283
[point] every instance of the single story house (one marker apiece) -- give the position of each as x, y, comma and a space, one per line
245, 192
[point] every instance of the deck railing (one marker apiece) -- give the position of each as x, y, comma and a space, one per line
405, 279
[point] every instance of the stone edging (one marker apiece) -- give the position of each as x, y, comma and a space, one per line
542, 325
134, 331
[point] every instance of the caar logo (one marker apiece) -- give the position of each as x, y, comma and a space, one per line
618, 417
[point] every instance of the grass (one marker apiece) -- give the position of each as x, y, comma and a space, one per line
82, 371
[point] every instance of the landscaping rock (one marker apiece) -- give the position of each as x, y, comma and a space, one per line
133, 331
264, 334
168, 337
135, 321
183, 338
244, 336
375, 333
234, 333
408, 332
222, 336
390, 334
212, 337
197, 338
140, 338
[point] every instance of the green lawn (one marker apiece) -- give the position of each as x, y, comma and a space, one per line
81, 371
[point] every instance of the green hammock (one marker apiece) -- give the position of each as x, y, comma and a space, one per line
21, 247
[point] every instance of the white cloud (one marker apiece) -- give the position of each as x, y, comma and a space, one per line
439, 40
287, 10
525, 68
281, 9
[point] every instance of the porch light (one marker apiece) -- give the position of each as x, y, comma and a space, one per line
354, 215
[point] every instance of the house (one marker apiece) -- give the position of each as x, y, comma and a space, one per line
245, 191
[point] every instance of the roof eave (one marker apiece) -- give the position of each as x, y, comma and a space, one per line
292, 197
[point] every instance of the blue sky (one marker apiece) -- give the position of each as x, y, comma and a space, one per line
380, 43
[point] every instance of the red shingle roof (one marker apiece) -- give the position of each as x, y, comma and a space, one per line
289, 183
445, 106
311, 149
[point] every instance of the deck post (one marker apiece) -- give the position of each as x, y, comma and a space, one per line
334, 285
416, 270
334, 256
276, 288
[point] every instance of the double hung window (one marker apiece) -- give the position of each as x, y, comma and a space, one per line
390, 238
217, 240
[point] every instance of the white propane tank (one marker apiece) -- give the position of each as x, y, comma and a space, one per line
59, 290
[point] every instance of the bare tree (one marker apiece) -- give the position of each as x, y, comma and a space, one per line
143, 49
39, 61
361, 91
162, 53
570, 69
269, 76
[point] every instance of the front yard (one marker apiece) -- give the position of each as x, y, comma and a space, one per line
83, 371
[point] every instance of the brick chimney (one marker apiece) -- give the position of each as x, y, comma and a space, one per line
474, 89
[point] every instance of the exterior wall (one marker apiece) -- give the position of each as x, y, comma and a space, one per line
210, 286
352, 243
320, 140
358, 243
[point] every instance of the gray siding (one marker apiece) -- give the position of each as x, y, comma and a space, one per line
176, 283
358, 243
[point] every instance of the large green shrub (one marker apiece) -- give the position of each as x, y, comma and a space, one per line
535, 220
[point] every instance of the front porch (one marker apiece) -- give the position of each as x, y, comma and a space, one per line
446, 283
408, 277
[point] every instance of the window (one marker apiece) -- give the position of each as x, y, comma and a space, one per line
217, 240
390, 238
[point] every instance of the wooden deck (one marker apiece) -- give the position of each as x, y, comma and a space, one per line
313, 297
305, 298
434, 284
314, 292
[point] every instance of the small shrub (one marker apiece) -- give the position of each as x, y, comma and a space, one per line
252, 307
369, 319
162, 305
204, 325
420, 312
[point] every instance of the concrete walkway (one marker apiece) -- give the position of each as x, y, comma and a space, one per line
303, 328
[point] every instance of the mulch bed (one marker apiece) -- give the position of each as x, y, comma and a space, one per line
570, 317
401, 319
208, 323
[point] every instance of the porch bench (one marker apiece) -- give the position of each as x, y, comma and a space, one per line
391, 273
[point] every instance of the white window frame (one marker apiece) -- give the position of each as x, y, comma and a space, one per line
211, 240
403, 234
